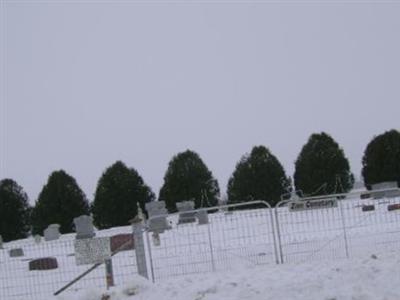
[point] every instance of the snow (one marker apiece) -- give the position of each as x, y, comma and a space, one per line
243, 254
365, 278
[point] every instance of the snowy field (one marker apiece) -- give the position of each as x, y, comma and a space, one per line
363, 278
332, 253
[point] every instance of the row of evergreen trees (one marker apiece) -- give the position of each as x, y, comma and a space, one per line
321, 168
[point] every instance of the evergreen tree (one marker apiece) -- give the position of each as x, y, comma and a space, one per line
118, 193
322, 168
188, 178
14, 211
60, 201
258, 176
381, 160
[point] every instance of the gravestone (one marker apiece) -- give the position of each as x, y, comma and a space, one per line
45, 263
383, 186
157, 216
185, 213
202, 216
1, 242
37, 238
52, 232
84, 227
122, 242
16, 252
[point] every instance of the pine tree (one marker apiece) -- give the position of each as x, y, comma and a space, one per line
322, 168
118, 193
14, 211
60, 201
188, 178
258, 176
381, 160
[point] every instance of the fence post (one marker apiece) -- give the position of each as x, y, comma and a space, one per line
211, 248
344, 229
139, 250
109, 273
278, 233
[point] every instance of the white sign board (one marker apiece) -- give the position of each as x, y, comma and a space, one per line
92, 251
312, 204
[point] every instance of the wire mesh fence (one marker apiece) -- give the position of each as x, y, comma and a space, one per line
31, 270
253, 233
240, 233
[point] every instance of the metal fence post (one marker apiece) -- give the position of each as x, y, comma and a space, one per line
344, 229
278, 240
109, 273
211, 248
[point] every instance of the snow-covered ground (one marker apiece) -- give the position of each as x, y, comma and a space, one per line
330, 254
373, 277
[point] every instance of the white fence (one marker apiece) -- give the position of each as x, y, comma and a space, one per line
250, 233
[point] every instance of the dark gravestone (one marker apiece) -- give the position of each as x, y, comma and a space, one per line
186, 215
84, 227
16, 252
1, 242
393, 207
122, 242
46, 263
368, 207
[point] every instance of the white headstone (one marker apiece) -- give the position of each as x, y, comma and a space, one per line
184, 208
37, 238
84, 227
383, 186
52, 232
157, 216
202, 216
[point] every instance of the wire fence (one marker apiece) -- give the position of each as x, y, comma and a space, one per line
253, 233
31, 270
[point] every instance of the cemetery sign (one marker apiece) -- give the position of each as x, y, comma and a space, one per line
313, 204
92, 251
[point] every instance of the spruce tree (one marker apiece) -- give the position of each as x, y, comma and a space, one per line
14, 211
119, 190
60, 201
258, 176
322, 168
188, 178
381, 160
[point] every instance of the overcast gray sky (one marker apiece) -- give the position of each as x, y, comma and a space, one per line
87, 83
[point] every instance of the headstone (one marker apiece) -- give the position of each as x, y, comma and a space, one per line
157, 216
37, 238
186, 215
1, 242
393, 207
16, 252
52, 232
383, 186
45, 263
122, 242
202, 216
370, 207
84, 227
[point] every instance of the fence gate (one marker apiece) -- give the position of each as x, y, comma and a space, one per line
310, 229
234, 234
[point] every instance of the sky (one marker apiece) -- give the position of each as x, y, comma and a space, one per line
87, 83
